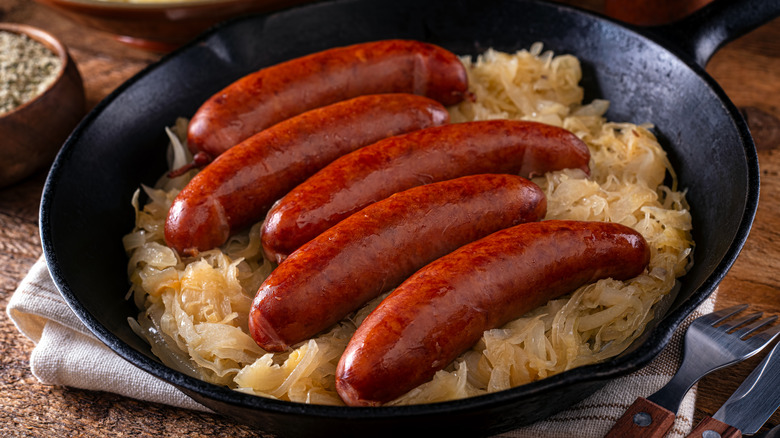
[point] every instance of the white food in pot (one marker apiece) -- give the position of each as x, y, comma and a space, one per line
196, 310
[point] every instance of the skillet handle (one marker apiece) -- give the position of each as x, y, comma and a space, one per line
643, 419
702, 33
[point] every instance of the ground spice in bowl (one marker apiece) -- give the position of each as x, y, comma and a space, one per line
27, 68
40, 85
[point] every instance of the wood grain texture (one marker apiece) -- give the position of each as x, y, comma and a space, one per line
748, 69
710, 424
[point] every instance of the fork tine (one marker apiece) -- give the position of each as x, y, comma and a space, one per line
765, 336
716, 317
745, 331
738, 323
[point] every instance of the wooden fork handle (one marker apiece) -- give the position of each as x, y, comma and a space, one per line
643, 419
709, 423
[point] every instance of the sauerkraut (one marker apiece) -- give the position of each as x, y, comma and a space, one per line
194, 311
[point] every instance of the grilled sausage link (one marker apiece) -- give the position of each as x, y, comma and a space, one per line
239, 187
375, 249
394, 164
278, 92
443, 309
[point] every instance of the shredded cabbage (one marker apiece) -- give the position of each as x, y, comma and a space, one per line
194, 311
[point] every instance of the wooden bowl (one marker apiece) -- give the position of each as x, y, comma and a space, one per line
34, 131
159, 26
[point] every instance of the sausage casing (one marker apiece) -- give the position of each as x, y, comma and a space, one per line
375, 249
239, 187
398, 163
443, 309
277, 92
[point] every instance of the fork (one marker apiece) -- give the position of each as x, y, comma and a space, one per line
707, 348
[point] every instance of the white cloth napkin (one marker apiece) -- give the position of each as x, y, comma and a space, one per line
66, 352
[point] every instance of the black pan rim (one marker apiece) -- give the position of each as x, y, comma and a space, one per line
597, 372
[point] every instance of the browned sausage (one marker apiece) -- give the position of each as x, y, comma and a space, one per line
443, 309
394, 164
278, 92
378, 247
238, 188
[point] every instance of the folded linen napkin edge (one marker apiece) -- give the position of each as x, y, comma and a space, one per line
65, 351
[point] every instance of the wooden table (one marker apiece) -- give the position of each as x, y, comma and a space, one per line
748, 69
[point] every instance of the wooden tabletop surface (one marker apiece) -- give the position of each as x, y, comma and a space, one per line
748, 69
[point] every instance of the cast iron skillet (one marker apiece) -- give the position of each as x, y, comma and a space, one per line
652, 75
